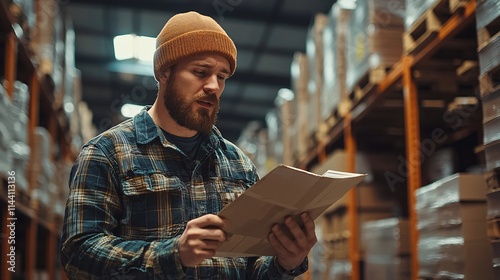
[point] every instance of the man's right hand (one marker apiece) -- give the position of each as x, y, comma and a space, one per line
200, 239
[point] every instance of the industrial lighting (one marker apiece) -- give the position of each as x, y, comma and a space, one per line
130, 110
130, 46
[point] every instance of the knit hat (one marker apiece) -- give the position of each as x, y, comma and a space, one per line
191, 33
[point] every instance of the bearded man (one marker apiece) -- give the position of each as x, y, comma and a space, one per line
144, 195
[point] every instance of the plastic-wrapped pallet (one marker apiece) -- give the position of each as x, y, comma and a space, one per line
275, 134
493, 202
248, 141
41, 168
5, 133
43, 38
387, 249
491, 128
315, 56
300, 78
334, 65
415, 9
488, 30
18, 116
495, 244
374, 42
23, 14
286, 103
488, 40
487, 14
452, 228
339, 269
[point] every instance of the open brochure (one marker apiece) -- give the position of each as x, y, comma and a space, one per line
285, 191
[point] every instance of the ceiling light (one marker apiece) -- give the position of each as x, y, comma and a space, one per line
130, 46
130, 110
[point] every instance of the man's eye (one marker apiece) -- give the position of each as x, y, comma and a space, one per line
221, 77
199, 73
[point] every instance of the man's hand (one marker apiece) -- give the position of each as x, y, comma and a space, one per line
291, 251
200, 239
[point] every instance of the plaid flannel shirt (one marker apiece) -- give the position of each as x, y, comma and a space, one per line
132, 193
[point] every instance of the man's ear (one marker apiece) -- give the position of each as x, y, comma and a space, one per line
163, 75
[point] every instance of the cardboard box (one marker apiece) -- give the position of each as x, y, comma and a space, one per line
454, 188
451, 215
386, 237
472, 261
397, 268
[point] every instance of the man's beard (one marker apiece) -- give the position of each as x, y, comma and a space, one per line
180, 108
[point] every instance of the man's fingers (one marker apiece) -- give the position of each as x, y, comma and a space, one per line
284, 239
211, 244
296, 230
309, 227
208, 221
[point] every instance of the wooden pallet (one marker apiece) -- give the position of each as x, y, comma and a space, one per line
312, 143
492, 180
490, 81
489, 30
489, 54
494, 228
427, 27
367, 83
338, 113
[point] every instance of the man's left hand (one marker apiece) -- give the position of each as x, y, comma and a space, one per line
292, 250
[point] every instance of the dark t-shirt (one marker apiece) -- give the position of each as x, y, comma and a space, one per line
187, 145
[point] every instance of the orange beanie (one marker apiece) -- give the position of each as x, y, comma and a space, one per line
191, 33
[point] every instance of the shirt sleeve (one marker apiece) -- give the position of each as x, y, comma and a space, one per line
90, 247
267, 268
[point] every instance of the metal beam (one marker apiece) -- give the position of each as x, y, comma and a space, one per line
79, 30
208, 8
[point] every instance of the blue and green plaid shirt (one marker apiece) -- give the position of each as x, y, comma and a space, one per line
132, 193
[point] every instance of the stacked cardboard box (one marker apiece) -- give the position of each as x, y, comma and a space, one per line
374, 43
414, 10
17, 123
275, 149
5, 133
315, 56
488, 31
334, 66
492, 179
23, 13
387, 254
285, 119
375, 201
452, 228
495, 244
41, 169
300, 79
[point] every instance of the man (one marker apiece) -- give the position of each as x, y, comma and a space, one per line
144, 195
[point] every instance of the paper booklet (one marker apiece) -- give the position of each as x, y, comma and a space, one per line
285, 191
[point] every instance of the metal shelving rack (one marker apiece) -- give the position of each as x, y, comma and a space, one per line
401, 74
36, 234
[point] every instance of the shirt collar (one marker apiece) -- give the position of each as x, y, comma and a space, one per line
146, 130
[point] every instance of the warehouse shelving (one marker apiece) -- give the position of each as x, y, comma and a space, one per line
401, 76
36, 232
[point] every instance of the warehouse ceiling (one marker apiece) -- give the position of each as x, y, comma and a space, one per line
266, 33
